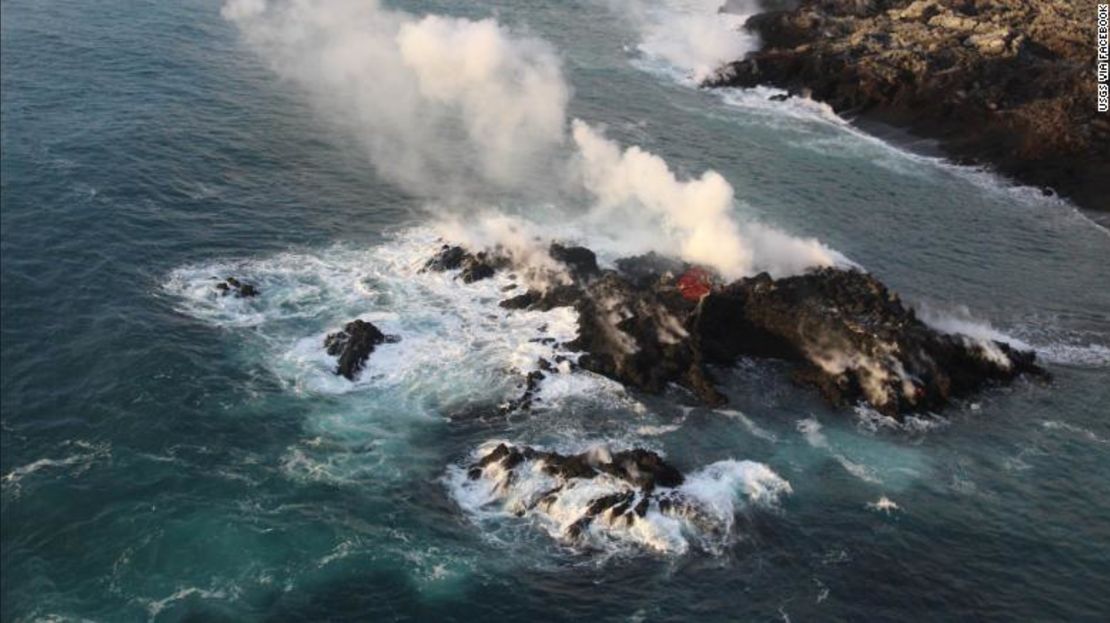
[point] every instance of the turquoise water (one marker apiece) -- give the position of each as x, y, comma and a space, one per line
171, 456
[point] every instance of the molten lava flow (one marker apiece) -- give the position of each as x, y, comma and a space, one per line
695, 283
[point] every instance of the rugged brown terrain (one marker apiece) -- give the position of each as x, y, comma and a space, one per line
1006, 83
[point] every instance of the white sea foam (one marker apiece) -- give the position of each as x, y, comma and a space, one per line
884, 505
714, 495
785, 113
810, 429
78, 456
871, 421
1084, 433
455, 341
827, 132
751, 426
655, 430
155, 606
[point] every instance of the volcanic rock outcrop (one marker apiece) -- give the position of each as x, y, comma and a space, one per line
629, 484
653, 322
472, 266
353, 346
233, 285
852, 338
1008, 83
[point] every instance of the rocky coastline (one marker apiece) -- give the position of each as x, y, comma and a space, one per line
1008, 84
653, 322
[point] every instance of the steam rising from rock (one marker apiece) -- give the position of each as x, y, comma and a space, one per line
696, 213
695, 218
693, 36
459, 110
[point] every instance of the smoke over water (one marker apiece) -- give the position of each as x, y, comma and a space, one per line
459, 111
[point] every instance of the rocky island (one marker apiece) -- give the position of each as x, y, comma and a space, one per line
1005, 83
652, 322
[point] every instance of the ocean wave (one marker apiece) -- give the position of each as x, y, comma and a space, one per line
1079, 431
867, 459
156, 606
830, 133
751, 426
86, 455
871, 421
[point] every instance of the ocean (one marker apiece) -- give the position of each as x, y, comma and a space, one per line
171, 455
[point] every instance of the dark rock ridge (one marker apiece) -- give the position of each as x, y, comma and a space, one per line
241, 290
647, 482
845, 332
353, 346
641, 468
851, 338
1007, 83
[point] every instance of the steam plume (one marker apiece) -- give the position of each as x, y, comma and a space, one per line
452, 109
440, 103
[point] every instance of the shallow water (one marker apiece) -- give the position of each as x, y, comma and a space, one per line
167, 455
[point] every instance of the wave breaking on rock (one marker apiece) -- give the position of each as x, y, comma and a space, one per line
601, 498
654, 321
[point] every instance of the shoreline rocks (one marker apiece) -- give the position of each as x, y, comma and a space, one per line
1006, 83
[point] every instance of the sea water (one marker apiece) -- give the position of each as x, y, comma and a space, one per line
170, 455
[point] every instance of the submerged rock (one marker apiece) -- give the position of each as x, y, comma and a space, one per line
353, 346
239, 288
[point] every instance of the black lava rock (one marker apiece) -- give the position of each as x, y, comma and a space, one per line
353, 346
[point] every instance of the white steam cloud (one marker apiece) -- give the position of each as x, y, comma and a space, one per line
440, 103
454, 109
695, 217
694, 36
696, 213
